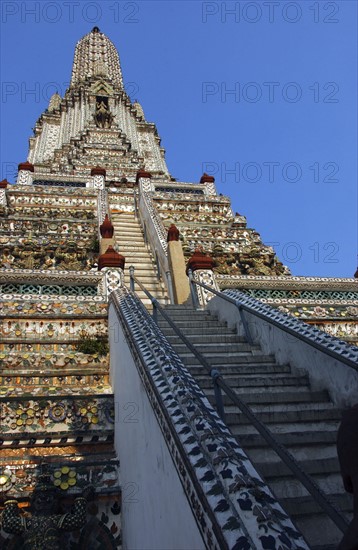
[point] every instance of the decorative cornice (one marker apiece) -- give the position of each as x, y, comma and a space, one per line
43, 190
27, 166
143, 174
333, 346
199, 260
111, 258
181, 197
286, 282
42, 276
205, 178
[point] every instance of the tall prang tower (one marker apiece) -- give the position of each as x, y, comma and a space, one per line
93, 198
96, 123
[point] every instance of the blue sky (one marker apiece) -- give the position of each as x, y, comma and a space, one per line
263, 95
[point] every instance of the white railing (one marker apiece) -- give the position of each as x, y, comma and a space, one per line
155, 235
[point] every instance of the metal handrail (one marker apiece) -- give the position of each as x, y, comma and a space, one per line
214, 373
293, 332
312, 487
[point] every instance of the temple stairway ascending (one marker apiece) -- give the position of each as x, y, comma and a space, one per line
303, 420
131, 244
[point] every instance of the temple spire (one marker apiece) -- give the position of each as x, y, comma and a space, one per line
96, 56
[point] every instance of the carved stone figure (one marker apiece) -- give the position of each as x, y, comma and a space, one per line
103, 116
42, 531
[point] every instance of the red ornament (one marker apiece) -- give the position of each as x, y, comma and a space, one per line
98, 171
205, 178
142, 174
106, 228
26, 166
173, 233
199, 260
111, 258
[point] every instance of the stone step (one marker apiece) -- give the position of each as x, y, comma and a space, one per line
189, 323
126, 223
157, 293
193, 316
253, 368
312, 447
144, 278
123, 215
222, 361
128, 232
175, 310
319, 468
212, 348
320, 435
249, 383
312, 407
141, 255
287, 413
127, 227
133, 248
137, 240
140, 270
202, 331
149, 285
140, 274
285, 430
140, 260
301, 418
196, 339
281, 396
315, 525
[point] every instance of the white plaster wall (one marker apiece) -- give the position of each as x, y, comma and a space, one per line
325, 372
155, 511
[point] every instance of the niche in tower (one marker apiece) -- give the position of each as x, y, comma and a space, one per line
103, 117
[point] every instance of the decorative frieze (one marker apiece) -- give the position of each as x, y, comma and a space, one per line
24, 177
288, 282
53, 329
27, 385
27, 363
343, 330
48, 416
47, 276
113, 279
54, 199
46, 305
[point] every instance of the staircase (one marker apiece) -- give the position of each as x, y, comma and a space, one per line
303, 420
130, 243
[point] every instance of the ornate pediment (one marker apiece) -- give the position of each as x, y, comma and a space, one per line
101, 88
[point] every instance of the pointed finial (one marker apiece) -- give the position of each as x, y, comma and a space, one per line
173, 233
